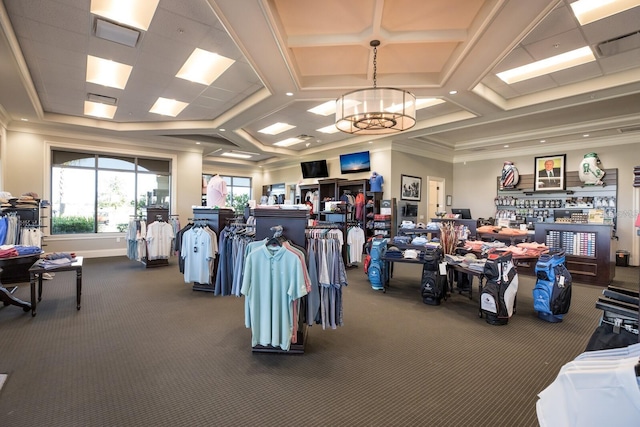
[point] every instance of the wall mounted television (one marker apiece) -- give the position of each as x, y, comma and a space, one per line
355, 162
314, 169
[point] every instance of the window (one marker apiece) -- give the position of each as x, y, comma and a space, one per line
238, 191
97, 193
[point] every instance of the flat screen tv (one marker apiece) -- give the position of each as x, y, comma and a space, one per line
315, 169
355, 162
464, 213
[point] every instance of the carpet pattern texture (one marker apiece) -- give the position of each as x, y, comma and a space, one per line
147, 350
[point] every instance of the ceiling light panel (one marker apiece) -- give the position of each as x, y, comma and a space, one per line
96, 109
560, 62
276, 128
325, 109
107, 73
587, 11
134, 13
204, 67
236, 155
329, 129
427, 102
168, 107
288, 142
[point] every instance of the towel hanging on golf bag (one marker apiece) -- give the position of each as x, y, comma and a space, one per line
433, 284
552, 291
498, 298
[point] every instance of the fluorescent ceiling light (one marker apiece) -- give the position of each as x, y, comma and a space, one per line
236, 155
325, 109
427, 102
588, 11
96, 109
420, 103
289, 142
168, 107
276, 128
548, 65
134, 13
204, 67
107, 73
329, 129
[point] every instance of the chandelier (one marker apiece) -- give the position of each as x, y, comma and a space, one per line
377, 110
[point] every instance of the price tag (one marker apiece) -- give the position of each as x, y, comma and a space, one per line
561, 282
443, 268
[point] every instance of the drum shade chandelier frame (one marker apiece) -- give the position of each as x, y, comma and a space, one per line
375, 111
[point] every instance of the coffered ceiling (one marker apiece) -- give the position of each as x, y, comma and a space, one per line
292, 55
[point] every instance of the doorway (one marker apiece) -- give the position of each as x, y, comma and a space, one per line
435, 196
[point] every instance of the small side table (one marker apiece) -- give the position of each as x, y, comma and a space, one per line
38, 269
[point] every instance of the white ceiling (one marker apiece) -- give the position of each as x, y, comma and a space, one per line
318, 50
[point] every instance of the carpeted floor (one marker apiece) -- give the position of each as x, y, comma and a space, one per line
146, 350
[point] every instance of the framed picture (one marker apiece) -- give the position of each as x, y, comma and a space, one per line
549, 172
410, 187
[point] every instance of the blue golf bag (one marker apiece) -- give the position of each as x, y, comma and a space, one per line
552, 292
376, 271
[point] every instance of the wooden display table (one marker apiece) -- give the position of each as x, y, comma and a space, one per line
38, 270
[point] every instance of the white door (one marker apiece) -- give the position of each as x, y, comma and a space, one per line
435, 196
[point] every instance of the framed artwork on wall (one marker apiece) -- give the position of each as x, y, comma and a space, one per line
410, 187
549, 172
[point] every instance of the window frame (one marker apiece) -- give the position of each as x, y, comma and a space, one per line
91, 150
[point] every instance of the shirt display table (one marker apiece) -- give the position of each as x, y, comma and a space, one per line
37, 269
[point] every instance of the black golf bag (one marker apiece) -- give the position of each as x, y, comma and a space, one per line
433, 285
498, 298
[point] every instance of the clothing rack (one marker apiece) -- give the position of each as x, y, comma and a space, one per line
158, 214
215, 220
298, 346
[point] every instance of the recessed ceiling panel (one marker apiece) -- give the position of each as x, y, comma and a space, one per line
431, 15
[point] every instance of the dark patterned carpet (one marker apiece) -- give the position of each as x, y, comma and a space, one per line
146, 350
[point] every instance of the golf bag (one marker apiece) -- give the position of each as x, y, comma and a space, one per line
433, 284
498, 298
376, 271
552, 292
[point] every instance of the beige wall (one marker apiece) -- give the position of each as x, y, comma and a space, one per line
380, 156
422, 167
475, 184
25, 168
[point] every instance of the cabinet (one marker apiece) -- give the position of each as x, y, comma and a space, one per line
371, 208
329, 189
589, 252
383, 221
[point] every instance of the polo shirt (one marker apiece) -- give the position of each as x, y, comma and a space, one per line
273, 279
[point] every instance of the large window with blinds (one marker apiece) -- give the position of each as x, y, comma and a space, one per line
100, 193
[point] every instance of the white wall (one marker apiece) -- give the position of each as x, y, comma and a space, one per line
475, 184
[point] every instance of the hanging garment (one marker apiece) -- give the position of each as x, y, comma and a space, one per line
355, 240
159, 240
273, 279
198, 253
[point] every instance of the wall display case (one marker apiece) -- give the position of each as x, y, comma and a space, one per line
572, 204
384, 220
589, 249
